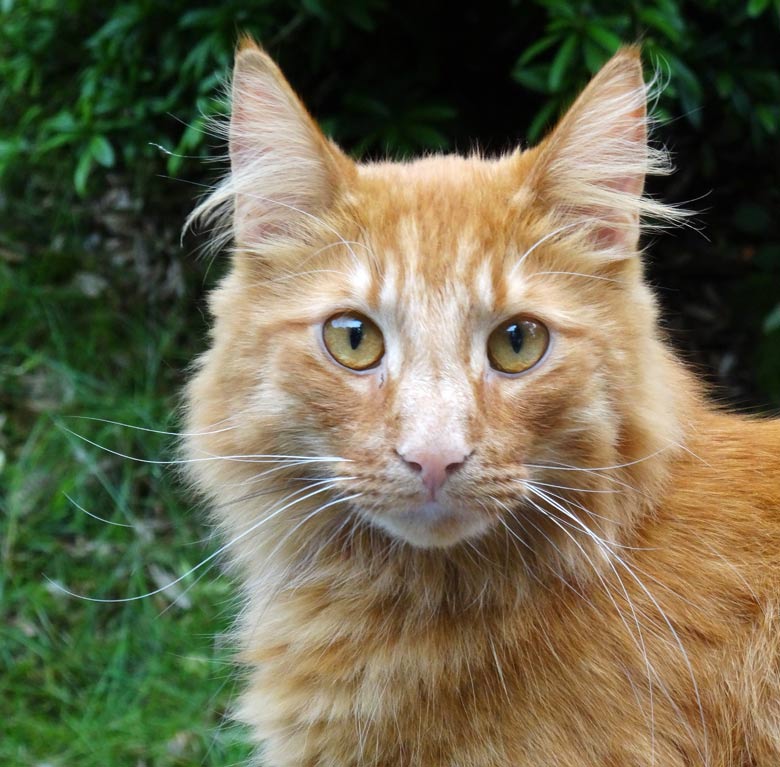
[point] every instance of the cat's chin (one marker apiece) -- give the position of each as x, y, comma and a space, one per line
432, 525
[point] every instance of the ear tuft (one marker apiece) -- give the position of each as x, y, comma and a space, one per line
284, 173
246, 42
591, 169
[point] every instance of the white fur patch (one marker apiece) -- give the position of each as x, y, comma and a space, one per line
483, 284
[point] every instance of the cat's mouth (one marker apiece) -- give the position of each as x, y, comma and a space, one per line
433, 524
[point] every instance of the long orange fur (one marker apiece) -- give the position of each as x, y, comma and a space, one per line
618, 606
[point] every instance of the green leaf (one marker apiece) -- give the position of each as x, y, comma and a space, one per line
62, 122
594, 56
10, 152
315, 8
427, 137
608, 40
724, 82
192, 138
532, 51
652, 17
757, 7
561, 63
202, 17
688, 87
533, 78
83, 169
102, 151
772, 320
562, 8
541, 120
768, 117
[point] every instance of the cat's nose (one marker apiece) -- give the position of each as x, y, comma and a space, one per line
434, 466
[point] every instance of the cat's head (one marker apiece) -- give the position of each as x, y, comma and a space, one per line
453, 341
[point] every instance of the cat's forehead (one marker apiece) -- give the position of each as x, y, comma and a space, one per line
440, 230
437, 201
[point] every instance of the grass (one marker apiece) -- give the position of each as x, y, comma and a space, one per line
143, 683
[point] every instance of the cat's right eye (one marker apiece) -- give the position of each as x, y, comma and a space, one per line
353, 340
517, 345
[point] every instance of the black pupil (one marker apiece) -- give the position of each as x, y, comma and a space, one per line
355, 334
515, 333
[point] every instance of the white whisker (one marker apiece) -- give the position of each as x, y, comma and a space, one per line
639, 638
542, 240
95, 516
259, 458
568, 487
203, 562
570, 515
564, 467
606, 549
151, 431
580, 274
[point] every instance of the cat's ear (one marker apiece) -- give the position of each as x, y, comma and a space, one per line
284, 171
591, 169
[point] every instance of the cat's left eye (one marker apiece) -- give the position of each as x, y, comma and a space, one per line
517, 344
353, 340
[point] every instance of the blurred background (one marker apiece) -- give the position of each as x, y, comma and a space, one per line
103, 152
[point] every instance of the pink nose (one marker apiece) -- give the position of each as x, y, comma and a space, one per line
434, 466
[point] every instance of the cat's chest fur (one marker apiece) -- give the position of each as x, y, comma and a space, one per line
334, 684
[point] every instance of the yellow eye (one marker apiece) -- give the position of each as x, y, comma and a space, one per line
353, 340
517, 345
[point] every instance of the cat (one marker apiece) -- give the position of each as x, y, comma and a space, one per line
481, 514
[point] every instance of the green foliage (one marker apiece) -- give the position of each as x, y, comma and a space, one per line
691, 62
85, 683
88, 86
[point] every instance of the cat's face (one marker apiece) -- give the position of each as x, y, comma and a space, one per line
453, 330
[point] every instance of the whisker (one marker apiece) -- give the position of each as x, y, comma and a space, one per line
565, 467
597, 472
311, 515
151, 431
259, 458
552, 543
312, 483
282, 466
580, 274
570, 515
517, 539
95, 516
568, 487
532, 486
683, 654
639, 638
542, 240
203, 562
606, 549
293, 275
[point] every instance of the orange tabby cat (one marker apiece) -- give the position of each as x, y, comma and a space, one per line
482, 515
